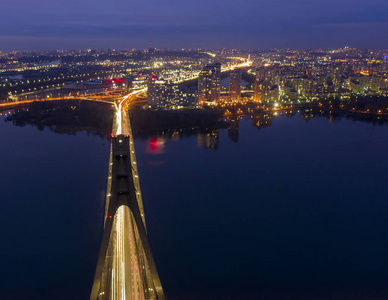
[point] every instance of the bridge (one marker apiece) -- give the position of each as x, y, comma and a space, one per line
125, 268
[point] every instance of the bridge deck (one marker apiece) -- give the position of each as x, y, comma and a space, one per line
125, 267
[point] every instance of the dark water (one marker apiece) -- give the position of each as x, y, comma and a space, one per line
295, 210
51, 209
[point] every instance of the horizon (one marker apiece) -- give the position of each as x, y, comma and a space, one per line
191, 49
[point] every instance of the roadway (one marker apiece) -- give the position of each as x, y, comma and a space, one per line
110, 97
125, 268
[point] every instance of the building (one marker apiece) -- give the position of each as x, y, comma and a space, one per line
273, 93
235, 85
151, 85
337, 75
290, 93
265, 79
209, 83
259, 91
164, 94
309, 88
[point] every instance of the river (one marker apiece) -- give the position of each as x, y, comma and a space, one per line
276, 207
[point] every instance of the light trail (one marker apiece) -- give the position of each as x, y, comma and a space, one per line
90, 97
119, 111
25, 102
119, 106
128, 278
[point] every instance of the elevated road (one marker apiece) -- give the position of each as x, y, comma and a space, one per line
125, 268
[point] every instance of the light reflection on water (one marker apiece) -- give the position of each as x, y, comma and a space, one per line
291, 206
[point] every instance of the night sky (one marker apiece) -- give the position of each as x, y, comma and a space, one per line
53, 24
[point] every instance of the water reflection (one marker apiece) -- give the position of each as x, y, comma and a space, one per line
291, 235
66, 117
263, 120
208, 140
156, 145
208, 136
70, 117
233, 129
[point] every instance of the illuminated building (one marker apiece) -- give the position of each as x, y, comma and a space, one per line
209, 83
235, 85
259, 91
163, 94
273, 93
151, 84
337, 75
265, 79
290, 93
309, 88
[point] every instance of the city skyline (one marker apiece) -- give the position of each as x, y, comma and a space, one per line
176, 24
260, 136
